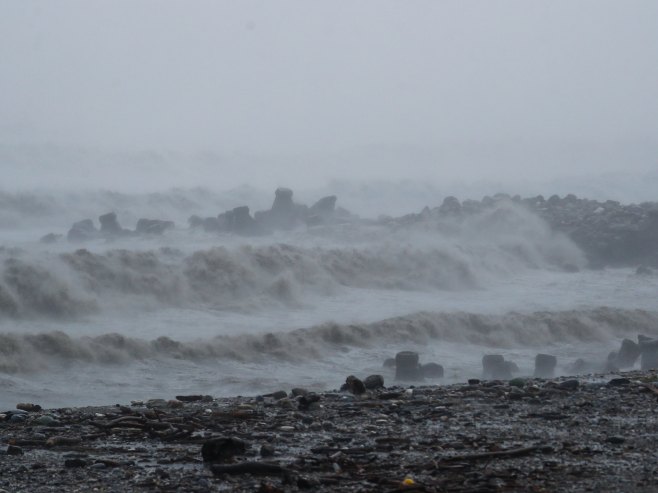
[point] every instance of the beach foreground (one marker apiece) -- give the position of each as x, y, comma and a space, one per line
586, 433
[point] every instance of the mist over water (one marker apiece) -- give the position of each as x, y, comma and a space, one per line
170, 111
193, 311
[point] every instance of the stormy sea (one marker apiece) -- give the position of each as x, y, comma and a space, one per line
108, 297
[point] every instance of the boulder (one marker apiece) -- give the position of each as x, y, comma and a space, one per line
354, 385
237, 221
545, 366
82, 231
322, 211
110, 225
282, 215
407, 367
326, 206
373, 382
627, 354
431, 370
389, 363
494, 367
649, 354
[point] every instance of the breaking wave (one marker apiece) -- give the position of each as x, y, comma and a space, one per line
422, 256
37, 352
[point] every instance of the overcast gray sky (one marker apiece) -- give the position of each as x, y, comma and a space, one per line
312, 90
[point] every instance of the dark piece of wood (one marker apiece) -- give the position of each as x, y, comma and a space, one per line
502, 454
256, 468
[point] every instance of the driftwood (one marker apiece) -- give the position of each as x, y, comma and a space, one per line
502, 454
650, 387
257, 468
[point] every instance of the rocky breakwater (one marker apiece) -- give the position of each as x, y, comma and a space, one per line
593, 433
610, 233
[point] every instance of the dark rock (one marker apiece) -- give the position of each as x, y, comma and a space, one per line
255, 468
432, 370
283, 213
545, 366
517, 382
28, 407
193, 398
14, 450
324, 208
222, 449
278, 395
568, 385
407, 367
238, 221
627, 354
450, 206
50, 238
296, 392
373, 382
580, 366
195, 221
494, 367
641, 339
512, 367
267, 450
308, 401
389, 363
110, 225
616, 382
153, 226
74, 463
474, 381
354, 385
648, 354
211, 225
82, 231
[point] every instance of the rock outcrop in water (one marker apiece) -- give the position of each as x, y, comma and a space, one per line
82, 231
610, 233
284, 214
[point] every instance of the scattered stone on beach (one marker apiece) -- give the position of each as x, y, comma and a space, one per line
29, 407
526, 435
278, 395
297, 391
14, 450
374, 382
571, 384
194, 398
354, 385
308, 401
407, 367
545, 365
267, 450
222, 449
